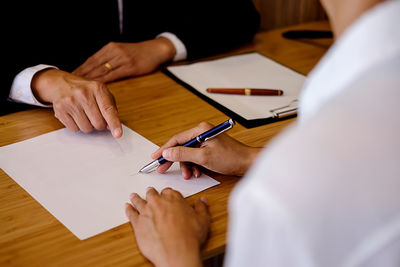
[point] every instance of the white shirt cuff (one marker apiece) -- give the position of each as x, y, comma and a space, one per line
180, 48
21, 90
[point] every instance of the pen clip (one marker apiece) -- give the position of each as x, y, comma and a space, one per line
281, 112
224, 130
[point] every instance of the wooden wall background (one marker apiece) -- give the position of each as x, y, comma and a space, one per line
280, 13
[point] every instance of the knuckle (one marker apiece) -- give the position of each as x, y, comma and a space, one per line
177, 153
112, 44
167, 191
87, 129
174, 153
175, 194
73, 128
153, 203
136, 198
174, 140
82, 95
109, 109
131, 62
96, 85
117, 48
204, 157
58, 106
58, 114
205, 125
99, 124
66, 101
131, 66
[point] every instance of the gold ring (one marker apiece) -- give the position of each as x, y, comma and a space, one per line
108, 66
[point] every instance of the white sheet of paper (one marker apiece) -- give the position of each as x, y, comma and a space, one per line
85, 179
250, 70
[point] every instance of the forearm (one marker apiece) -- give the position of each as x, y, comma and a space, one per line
186, 258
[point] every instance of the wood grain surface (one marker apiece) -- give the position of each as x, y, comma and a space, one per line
157, 108
283, 13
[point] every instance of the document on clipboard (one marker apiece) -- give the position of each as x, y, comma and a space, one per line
251, 70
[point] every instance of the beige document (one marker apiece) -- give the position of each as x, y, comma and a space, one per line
85, 179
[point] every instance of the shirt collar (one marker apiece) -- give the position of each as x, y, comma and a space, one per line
372, 39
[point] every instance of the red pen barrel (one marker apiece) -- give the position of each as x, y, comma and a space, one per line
246, 91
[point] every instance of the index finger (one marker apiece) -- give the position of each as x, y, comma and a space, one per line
108, 109
182, 138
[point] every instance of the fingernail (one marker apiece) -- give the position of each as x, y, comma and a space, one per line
131, 195
127, 205
166, 153
117, 132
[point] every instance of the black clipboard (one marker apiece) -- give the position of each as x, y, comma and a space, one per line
247, 123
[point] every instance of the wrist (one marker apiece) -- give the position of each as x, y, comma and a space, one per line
166, 49
185, 254
41, 85
188, 260
250, 156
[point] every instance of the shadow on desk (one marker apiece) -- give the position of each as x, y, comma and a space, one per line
216, 261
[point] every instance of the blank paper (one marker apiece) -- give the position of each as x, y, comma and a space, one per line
85, 179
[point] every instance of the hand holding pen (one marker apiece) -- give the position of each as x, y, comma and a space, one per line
221, 154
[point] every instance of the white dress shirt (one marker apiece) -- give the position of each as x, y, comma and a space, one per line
21, 87
326, 192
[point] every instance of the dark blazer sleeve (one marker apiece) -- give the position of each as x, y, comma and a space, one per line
212, 26
14, 61
59, 33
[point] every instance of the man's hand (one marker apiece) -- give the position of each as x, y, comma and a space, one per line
222, 154
168, 231
80, 104
120, 60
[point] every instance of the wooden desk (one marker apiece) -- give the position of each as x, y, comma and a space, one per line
29, 235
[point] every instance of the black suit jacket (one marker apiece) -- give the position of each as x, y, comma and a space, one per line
66, 33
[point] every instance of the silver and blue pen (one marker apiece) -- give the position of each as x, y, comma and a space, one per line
217, 130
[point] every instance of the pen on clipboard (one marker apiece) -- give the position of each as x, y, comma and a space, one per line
217, 130
245, 91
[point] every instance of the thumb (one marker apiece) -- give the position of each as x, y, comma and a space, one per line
185, 154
